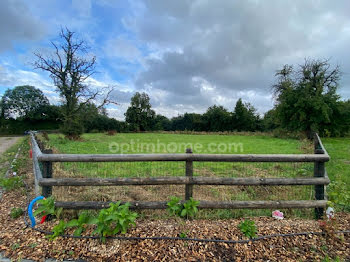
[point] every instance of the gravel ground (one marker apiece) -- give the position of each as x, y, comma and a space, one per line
19, 242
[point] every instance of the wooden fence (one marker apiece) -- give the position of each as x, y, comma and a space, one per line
42, 165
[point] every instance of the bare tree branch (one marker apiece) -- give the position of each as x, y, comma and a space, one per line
69, 67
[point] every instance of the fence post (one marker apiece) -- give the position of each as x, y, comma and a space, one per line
319, 171
47, 173
189, 173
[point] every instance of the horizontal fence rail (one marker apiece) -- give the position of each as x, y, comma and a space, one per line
183, 157
42, 166
202, 204
138, 181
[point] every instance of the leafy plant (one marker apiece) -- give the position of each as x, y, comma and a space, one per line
83, 219
16, 212
113, 220
174, 206
47, 207
58, 230
248, 228
11, 183
188, 209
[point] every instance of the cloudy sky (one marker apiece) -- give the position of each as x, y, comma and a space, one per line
186, 54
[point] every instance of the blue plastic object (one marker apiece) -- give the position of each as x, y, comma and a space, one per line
30, 210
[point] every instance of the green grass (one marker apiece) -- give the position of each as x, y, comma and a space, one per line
100, 143
142, 143
338, 169
132, 143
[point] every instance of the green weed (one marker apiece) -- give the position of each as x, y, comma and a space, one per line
186, 210
16, 212
47, 207
248, 228
113, 220
83, 219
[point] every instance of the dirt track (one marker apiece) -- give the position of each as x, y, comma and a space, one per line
7, 142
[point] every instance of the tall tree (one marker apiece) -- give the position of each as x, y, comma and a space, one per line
139, 115
23, 102
217, 118
307, 98
244, 117
69, 67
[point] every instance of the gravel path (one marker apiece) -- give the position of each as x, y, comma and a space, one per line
6, 143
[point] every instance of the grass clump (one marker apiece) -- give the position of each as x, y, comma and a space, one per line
16, 212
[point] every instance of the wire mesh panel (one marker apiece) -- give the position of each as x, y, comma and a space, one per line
119, 169
116, 193
115, 170
255, 169
174, 169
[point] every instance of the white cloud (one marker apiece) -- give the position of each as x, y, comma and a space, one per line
234, 47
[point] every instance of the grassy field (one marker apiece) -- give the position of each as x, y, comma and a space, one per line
177, 143
100, 144
339, 170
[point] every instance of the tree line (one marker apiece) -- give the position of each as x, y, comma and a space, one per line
140, 117
306, 101
26, 108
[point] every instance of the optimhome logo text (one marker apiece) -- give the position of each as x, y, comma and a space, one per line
137, 147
